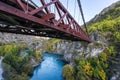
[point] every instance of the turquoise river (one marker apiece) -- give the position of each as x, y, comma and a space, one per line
50, 68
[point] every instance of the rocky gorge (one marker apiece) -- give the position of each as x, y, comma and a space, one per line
70, 50
98, 60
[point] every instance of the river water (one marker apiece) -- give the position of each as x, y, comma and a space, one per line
50, 68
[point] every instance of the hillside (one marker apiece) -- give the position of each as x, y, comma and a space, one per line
107, 23
109, 13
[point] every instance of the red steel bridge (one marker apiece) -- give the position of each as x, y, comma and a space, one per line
25, 17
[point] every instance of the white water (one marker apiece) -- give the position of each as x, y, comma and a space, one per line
95, 52
1, 70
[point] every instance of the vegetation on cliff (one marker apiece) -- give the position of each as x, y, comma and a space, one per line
110, 29
50, 44
98, 68
69, 72
94, 68
108, 24
17, 67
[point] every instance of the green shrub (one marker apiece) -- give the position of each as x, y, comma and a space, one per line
51, 43
90, 68
117, 36
21, 65
1, 50
111, 51
68, 72
15, 76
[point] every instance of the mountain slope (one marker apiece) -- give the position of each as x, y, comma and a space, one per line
107, 23
111, 12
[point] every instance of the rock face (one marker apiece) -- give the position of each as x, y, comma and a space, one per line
33, 42
68, 49
72, 50
115, 68
1, 69
33, 62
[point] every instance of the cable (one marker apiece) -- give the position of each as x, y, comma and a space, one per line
54, 9
80, 7
33, 3
75, 9
78, 16
67, 3
50, 6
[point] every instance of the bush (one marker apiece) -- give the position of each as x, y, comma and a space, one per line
68, 72
14, 76
111, 51
90, 68
21, 65
1, 51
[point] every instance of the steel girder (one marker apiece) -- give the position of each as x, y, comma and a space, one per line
20, 16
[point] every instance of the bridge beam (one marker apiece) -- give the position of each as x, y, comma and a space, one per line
35, 17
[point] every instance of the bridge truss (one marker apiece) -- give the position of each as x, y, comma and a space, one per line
25, 17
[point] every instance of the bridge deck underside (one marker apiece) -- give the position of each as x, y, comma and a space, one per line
10, 24
12, 20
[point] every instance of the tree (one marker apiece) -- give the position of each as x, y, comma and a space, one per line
68, 72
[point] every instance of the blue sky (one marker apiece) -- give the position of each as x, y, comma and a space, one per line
93, 7
90, 7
